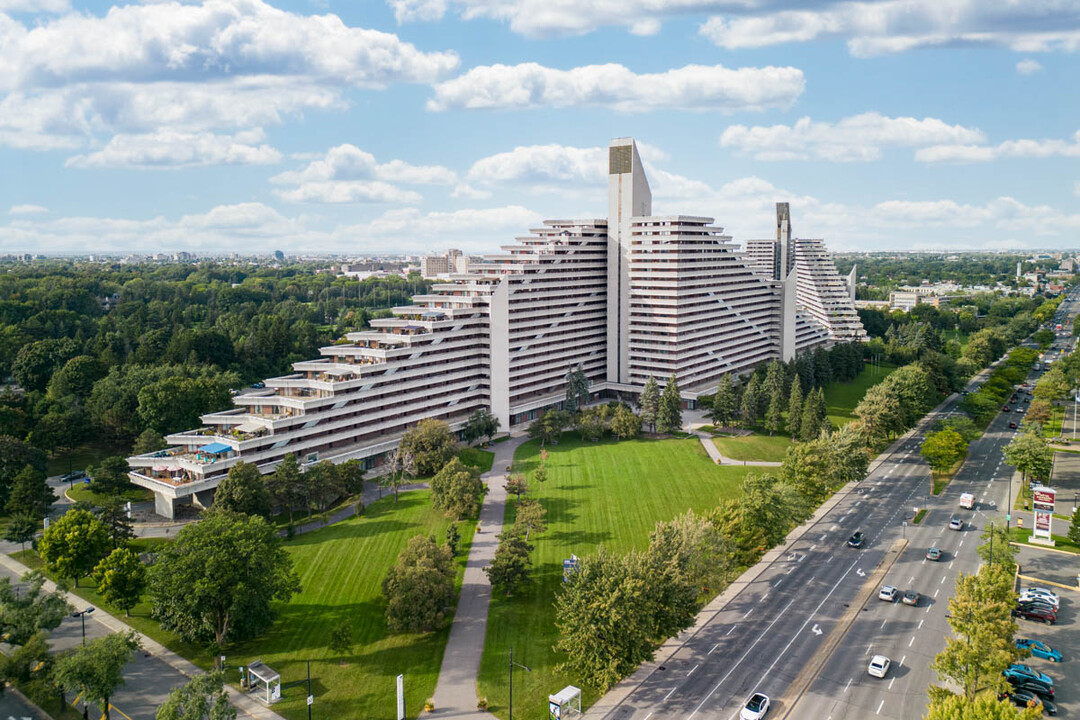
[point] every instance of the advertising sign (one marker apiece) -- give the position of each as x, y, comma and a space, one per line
1043, 504
1042, 521
1044, 499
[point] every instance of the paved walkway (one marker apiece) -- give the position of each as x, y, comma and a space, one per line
710, 447
153, 672
456, 692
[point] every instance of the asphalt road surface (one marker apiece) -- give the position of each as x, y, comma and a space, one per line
780, 623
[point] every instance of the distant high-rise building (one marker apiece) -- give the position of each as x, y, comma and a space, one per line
622, 298
278, 255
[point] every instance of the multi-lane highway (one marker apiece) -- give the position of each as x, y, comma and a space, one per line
780, 625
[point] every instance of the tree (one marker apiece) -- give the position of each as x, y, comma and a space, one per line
669, 412
481, 424
774, 417
111, 475
510, 566
795, 409
530, 517
36, 362
216, 581
115, 519
243, 490
26, 611
577, 389
430, 445
591, 423
15, 455
453, 538
121, 579
725, 404
1030, 454
650, 403
943, 449
202, 698
73, 545
982, 644
322, 485
1039, 412
995, 548
457, 490
517, 484
604, 614
625, 425
751, 401
548, 427
341, 640
285, 484
983, 707
880, 412
76, 378
419, 589
351, 476
176, 403
149, 441
22, 529
30, 494
1074, 527
696, 547
95, 670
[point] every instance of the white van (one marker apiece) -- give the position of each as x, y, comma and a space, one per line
967, 500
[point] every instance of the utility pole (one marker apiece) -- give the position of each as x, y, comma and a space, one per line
309, 697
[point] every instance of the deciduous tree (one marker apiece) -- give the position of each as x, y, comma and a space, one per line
419, 589
530, 517
430, 444
457, 490
74, 544
625, 425
243, 490
510, 565
111, 475
121, 579
95, 670
202, 698
30, 494
26, 611
944, 448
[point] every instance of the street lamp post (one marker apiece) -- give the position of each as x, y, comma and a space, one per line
81, 614
526, 668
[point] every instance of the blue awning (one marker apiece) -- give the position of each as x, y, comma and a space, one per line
215, 447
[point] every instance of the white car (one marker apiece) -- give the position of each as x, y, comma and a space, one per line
879, 666
1042, 594
888, 593
756, 707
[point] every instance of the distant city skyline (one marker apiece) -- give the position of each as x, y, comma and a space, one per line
413, 126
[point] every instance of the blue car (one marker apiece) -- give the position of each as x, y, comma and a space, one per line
1039, 649
1023, 672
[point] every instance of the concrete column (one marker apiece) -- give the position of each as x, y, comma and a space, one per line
164, 506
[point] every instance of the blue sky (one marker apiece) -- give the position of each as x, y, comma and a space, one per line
415, 125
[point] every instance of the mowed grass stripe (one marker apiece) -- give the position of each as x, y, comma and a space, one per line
597, 493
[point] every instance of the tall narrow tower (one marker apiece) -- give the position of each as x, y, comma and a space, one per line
628, 196
785, 245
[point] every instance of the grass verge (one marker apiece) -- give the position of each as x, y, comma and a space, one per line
1061, 542
87, 493
753, 447
918, 517
597, 493
841, 398
341, 570
941, 478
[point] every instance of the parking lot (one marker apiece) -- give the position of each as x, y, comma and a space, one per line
1066, 480
1065, 635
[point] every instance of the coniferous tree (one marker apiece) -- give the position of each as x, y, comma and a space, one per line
669, 414
725, 403
751, 401
774, 416
795, 409
650, 403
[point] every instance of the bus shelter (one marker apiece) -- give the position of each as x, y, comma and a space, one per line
264, 682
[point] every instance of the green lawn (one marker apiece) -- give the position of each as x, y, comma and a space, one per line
1061, 542
82, 491
477, 458
597, 493
1057, 418
80, 458
754, 447
341, 570
841, 398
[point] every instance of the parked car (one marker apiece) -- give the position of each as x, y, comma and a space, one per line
888, 593
1026, 597
259, 385
1039, 649
755, 708
1040, 689
1036, 614
856, 540
1019, 411
911, 597
879, 666
1047, 593
1023, 699
1019, 670
75, 476
1012, 426
1041, 605
933, 554
956, 523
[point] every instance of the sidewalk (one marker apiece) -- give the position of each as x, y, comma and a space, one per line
714, 454
456, 692
154, 671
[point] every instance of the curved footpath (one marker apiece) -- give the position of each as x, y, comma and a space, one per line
456, 692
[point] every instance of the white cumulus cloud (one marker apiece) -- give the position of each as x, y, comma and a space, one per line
348, 174
694, 87
221, 65
891, 26
175, 149
1023, 148
28, 210
854, 138
1027, 66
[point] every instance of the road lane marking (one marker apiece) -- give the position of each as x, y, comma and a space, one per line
920, 625
942, 580
911, 641
752, 609
883, 624
715, 646
669, 693
879, 707
902, 660
693, 669
848, 684
890, 683
868, 649
730, 631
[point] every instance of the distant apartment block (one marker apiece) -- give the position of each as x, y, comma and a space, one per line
625, 297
